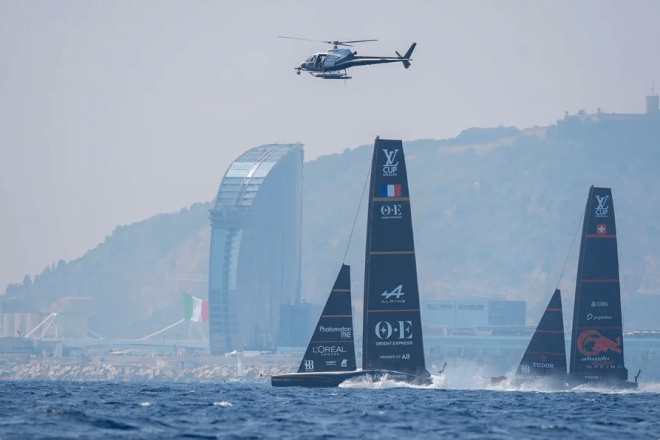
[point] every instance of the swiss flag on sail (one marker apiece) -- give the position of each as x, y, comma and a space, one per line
601, 229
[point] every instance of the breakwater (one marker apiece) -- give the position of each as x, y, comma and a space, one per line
144, 369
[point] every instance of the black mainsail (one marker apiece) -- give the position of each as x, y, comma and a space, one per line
331, 350
597, 338
392, 325
545, 357
331, 347
546, 353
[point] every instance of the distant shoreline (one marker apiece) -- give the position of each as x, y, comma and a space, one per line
143, 369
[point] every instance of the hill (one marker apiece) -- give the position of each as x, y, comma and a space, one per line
495, 213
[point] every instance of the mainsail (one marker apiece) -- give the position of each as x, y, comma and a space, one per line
597, 339
546, 353
392, 327
332, 347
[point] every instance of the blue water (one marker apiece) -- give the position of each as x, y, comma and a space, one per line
44, 409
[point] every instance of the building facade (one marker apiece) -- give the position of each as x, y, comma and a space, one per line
472, 313
255, 260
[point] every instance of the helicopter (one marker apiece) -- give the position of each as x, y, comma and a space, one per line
333, 63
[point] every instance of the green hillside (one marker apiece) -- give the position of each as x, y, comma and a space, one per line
494, 212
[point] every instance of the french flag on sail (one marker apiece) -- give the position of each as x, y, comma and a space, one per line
390, 191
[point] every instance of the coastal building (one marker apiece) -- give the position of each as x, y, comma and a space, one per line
652, 113
255, 260
468, 315
20, 318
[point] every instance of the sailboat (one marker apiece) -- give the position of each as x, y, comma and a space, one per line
331, 349
597, 355
544, 360
392, 324
392, 345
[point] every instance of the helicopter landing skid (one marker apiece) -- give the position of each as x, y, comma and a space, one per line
324, 75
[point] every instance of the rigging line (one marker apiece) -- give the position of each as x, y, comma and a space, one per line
569, 250
350, 237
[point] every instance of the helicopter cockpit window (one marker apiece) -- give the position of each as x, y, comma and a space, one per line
311, 59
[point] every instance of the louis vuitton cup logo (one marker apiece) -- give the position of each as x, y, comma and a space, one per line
602, 209
391, 165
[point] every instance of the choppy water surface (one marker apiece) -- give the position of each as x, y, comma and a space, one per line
44, 409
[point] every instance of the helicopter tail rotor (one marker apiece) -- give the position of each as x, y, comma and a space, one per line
406, 58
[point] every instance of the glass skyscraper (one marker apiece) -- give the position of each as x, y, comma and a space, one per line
255, 248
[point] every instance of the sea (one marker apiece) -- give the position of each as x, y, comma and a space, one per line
41, 409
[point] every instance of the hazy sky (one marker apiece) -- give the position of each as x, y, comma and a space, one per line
112, 111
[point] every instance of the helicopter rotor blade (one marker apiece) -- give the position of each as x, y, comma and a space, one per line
334, 43
356, 41
304, 39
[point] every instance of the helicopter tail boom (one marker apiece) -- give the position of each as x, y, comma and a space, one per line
405, 59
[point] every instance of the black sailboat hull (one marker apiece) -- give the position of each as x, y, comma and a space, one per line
598, 381
332, 380
555, 382
562, 382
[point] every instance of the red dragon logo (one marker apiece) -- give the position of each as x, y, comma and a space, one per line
600, 343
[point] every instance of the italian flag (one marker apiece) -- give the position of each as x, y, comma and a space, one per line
195, 309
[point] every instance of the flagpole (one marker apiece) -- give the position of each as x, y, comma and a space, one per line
161, 331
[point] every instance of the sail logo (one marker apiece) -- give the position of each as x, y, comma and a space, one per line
328, 350
596, 359
344, 332
601, 363
601, 229
524, 368
390, 212
542, 365
397, 293
344, 363
601, 209
385, 330
325, 329
309, 365
605, 366
590, 343
600, 304
390, 167
592, 317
